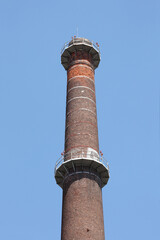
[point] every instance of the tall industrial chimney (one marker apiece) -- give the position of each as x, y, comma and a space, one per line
81, 171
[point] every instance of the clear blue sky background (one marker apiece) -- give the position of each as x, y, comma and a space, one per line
32, 113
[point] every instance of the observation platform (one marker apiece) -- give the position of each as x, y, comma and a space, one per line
80, 44
81, 162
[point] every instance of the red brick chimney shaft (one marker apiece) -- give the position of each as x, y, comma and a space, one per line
81, 115
82, 213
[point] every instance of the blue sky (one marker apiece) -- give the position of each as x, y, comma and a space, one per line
32, 113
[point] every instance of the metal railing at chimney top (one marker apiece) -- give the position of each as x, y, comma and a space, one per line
81, 154
76, 41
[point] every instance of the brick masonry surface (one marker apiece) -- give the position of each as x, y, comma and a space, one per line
82, 216
82, 212
81, 114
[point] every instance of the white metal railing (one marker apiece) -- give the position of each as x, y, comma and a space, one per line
81, 154
77, 41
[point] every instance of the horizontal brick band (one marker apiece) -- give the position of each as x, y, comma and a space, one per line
80, 76
81, 103
80, 98
80, 71
80, 61
81, 92
79, 122
81, 81
80, 87
80, 65
81, 109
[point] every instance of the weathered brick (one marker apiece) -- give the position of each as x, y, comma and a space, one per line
81, 106
82, 217
82, 213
